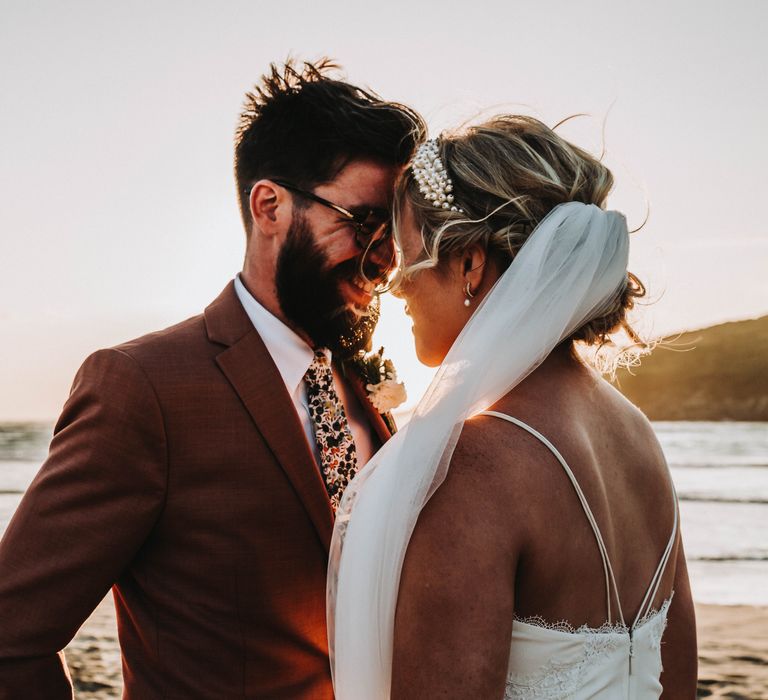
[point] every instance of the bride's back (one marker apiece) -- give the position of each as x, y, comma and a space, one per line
505, 559
611, 449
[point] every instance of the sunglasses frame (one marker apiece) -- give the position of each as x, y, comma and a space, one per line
364, 238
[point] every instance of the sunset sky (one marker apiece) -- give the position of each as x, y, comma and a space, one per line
118, 207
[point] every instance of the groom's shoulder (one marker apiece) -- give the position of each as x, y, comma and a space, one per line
161, 358
184, 336
181, 354
155, 355
171, 354
191, 338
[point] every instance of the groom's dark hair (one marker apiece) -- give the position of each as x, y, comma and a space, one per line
303, 125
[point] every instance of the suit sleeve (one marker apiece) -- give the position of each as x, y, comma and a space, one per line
80, 523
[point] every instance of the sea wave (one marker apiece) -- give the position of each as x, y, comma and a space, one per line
718, 465
725, 558
706, 498
24, 442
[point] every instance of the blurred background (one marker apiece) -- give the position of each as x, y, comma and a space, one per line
119, 213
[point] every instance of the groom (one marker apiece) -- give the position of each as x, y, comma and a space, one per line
195, 470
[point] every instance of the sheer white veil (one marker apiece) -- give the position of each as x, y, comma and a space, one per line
568, 271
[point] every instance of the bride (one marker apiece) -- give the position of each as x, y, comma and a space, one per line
519, 537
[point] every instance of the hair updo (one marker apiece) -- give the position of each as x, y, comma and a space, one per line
508, 173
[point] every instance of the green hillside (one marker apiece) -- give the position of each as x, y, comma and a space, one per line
717, 373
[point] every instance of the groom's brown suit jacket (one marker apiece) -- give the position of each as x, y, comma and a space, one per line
179, 473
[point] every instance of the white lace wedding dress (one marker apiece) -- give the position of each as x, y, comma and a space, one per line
613, 662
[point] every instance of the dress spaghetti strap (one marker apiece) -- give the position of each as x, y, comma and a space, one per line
653, 588
610, 579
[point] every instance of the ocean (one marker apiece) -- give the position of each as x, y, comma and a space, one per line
720, 471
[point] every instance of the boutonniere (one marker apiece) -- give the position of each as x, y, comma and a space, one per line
380, 377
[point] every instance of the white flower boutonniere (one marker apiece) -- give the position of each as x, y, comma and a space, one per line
386, 395
384, 391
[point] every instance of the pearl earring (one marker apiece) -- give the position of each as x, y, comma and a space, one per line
469, 294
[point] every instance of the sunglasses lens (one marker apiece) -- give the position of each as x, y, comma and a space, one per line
372, 234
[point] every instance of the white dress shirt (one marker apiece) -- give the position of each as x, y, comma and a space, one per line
292, 356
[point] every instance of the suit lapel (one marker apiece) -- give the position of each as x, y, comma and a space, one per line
249, 368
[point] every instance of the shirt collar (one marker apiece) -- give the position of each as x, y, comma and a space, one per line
290, 353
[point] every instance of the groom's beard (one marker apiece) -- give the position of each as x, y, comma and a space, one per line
309, 296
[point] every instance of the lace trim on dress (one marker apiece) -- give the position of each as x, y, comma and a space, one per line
657, 631
605, 628
557, 680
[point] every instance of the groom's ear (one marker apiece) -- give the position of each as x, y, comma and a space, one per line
271, 208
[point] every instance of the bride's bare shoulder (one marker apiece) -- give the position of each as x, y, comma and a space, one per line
494, 458
490, 440
501, 444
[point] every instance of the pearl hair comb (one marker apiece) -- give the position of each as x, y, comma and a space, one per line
432, 177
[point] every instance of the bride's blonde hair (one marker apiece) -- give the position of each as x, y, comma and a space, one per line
508, 173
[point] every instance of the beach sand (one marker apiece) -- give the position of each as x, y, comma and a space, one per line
733, 654
93, 656
733, 651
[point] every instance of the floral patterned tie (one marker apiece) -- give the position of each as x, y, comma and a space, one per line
332, 433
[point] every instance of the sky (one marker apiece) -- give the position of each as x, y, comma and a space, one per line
118, 213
